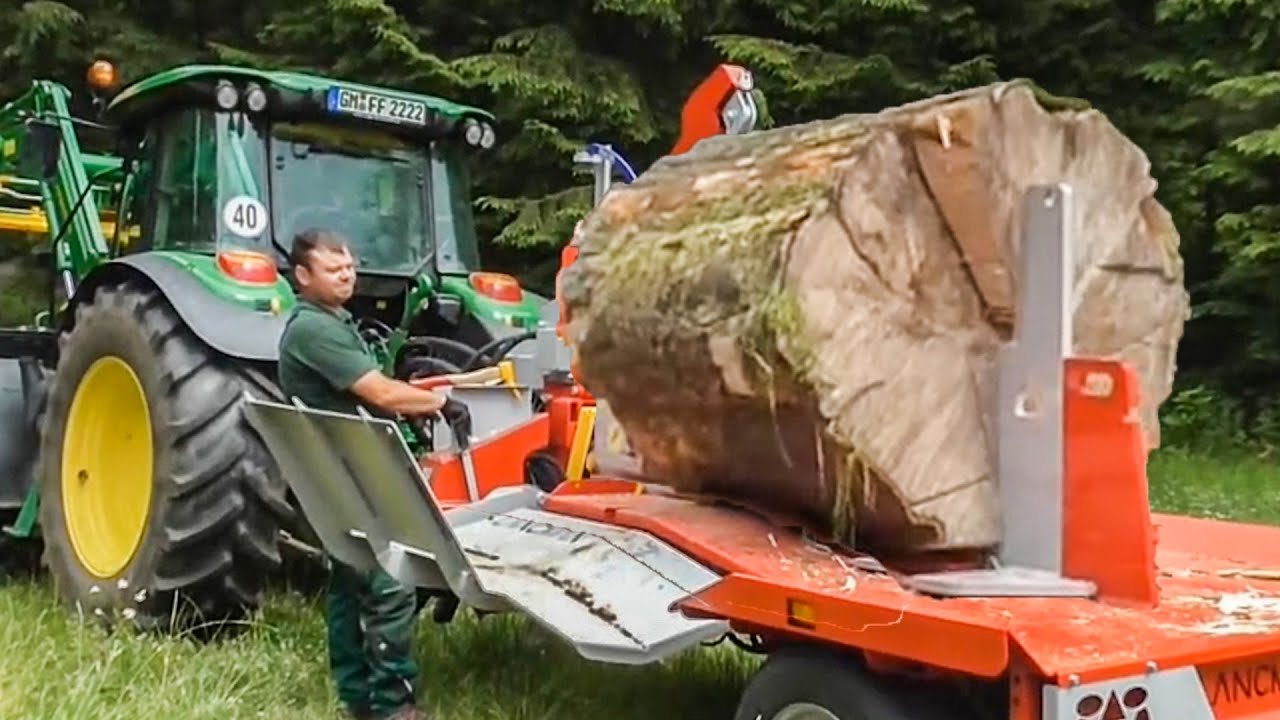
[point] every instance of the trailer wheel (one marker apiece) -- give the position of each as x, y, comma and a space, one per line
159, 503
542, 470
816, 683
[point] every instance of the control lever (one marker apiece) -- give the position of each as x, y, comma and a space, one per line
458, 416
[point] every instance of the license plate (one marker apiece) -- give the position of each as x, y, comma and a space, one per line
377, 106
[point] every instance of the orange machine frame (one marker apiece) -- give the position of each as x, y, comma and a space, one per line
782, 587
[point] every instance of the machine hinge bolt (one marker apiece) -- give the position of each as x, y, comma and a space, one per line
1073, 680
1152, 667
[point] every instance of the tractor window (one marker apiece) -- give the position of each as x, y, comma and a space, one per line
186, 183
137, 201
208, 189
365, 185
457, 249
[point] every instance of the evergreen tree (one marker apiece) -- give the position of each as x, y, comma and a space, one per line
1220, 142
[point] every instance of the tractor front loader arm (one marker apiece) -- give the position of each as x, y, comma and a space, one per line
47, 184
50, 189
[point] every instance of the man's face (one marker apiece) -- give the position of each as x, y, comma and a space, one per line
329, 277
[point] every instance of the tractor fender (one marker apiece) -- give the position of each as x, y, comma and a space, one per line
228, 328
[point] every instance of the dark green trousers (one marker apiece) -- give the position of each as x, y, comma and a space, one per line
371, 619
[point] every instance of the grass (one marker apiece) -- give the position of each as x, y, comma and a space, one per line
1240, 487
53, 667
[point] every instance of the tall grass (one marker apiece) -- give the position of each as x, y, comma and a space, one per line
53, 667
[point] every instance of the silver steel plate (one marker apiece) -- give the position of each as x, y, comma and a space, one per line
609, 591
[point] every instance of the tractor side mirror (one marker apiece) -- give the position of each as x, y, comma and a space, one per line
41, 150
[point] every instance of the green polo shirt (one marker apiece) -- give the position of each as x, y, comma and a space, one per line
321, 356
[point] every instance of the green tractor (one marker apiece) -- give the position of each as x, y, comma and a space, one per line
127, 456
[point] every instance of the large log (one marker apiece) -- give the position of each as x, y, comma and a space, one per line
807, 319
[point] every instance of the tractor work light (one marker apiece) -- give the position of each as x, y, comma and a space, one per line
489, 137
255, 98
226, 95
102, 76
472, 132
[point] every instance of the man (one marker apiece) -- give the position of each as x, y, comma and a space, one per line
325, 364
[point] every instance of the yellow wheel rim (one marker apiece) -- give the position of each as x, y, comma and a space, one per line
106, 467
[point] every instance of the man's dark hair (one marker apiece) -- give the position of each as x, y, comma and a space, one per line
307, 241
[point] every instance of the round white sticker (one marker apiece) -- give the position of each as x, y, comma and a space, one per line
245, 216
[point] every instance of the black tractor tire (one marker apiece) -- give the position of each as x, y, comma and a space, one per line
208, 546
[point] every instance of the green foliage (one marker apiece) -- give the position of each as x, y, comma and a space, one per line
1200, 419
1193, 82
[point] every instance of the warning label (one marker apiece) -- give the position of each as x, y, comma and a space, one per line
1128, 705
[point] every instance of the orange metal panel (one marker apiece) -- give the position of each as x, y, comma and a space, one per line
1245, 688
1025, 701
498, 462
1245, 543
870, 618
770, 566
1205, 614
1107, 533
700, 117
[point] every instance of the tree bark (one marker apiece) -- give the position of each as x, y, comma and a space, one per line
807, 319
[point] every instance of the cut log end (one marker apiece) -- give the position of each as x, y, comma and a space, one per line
808, 318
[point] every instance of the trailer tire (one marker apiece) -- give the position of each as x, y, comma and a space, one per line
802, 682
542, 470
199, 544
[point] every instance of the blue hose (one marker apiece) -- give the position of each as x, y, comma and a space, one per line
607, 151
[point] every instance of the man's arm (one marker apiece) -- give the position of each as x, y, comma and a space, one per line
390, 394
348, 367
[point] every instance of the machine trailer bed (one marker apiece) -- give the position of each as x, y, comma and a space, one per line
1092, 607
1219, 601
629, 573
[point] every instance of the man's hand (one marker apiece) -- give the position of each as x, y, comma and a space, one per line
458, 417
395, 396
456, 414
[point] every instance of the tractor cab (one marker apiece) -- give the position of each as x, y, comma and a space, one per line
231, 163
223, 166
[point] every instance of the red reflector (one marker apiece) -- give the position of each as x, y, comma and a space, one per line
498, 286
248, 266
568, 255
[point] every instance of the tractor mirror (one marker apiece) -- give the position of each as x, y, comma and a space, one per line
41, 150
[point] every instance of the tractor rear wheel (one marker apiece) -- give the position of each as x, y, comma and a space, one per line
159, 503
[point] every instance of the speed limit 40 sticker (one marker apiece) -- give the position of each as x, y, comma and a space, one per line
245, 216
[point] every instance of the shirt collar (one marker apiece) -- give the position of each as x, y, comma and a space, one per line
341, 313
